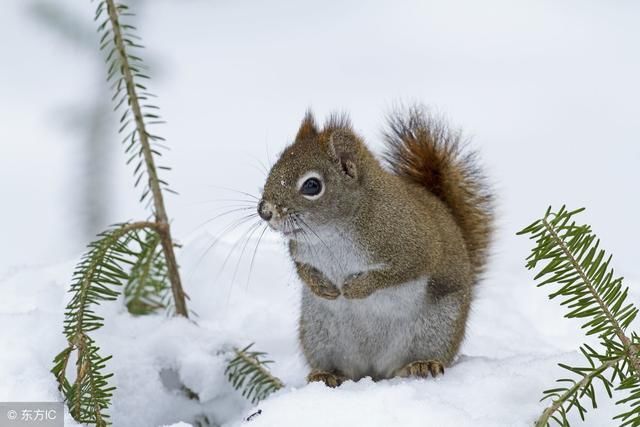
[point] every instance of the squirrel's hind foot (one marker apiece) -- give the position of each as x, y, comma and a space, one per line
328, 378
421, 369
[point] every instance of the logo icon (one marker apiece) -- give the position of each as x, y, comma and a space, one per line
12, 415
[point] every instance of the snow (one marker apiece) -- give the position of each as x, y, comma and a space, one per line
514, 341
530, 81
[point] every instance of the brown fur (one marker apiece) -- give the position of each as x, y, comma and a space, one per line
425, 151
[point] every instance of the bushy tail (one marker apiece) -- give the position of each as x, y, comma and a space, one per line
423, 149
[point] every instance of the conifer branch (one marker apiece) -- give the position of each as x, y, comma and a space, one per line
591, 286
248, 371
96, 279
92, 274
588, 289
140, 135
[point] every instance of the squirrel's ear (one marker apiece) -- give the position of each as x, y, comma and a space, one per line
308, 127
342, 149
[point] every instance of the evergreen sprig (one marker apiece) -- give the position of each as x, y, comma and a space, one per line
97, 278
126, 71
132, 99
568, 256
248, 372
146, 289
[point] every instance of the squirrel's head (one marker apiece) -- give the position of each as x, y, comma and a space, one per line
317, 181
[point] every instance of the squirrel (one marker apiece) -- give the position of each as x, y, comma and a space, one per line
388, 251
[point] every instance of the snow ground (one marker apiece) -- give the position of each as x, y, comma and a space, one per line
514, 340
530, 81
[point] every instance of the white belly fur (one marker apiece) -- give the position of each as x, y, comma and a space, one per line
369, 336
375, 334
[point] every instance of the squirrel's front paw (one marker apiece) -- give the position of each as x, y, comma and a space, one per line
324, 289
317, 283
357, 287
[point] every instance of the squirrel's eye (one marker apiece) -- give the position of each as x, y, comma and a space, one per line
311, 187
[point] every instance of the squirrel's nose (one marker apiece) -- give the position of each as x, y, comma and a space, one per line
264, 211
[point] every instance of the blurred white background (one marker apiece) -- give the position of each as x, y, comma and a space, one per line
548, 90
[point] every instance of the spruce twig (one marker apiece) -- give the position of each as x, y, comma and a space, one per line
591, 286
573, 260
248, 371
164, 229
96, 279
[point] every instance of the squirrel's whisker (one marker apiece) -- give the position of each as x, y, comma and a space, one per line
269, 160
261, 170
220, 215
216, 239
202, 202
236, 191
255, 228
264, 169
329, 251
244, 235
253, 257
307, 237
